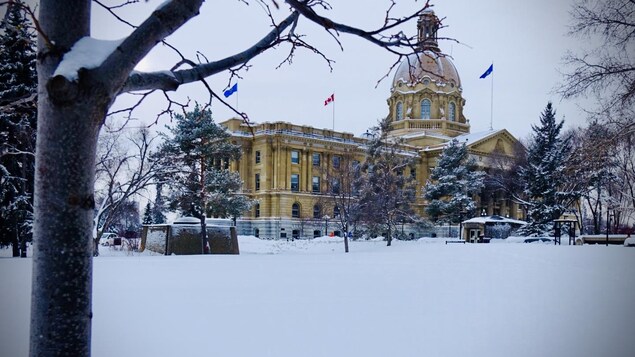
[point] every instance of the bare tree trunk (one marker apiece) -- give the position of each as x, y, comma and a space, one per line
203, 235
68, 122
23, 248
203, 208
62, 234
15, 245
346, 239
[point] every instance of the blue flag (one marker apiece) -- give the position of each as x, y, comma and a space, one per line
231, 90
488, 72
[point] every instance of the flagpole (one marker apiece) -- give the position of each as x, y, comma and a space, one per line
334, 115
491, 109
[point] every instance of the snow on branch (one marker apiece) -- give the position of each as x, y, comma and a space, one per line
87, 53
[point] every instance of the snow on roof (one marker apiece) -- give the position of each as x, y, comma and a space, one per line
467, 139
425, 133
86, 53
472, 138
187, 220
494, 219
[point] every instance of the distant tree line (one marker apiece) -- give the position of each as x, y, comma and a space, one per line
18, 125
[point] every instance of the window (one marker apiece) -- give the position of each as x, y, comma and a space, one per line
295, 157
452, 114
257, 186
425, 109
317, 211
257, 157
336, 211
295, 210
256, 232
317, 234
316, 158
316, 184
335, 186
257, 210
295, 182
336, 162
413, 172
295, 234
399, 110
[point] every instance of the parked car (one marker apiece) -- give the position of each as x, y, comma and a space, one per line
108, 239
538, 239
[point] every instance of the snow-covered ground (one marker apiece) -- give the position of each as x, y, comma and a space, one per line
308, 298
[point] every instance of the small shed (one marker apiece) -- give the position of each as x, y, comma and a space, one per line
489, 227
183, 236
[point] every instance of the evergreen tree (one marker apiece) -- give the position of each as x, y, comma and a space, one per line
386, 190
147, 215
18, 118
158, 217
196, 160
453, 184
544, 174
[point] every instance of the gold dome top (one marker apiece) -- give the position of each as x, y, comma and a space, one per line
436, 67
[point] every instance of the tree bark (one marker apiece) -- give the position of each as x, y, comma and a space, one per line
68, 122
61, 303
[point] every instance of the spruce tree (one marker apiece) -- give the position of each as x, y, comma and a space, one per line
386, 189
158, 217
18, 118
196, 159
147, 214
453, 184
543, 176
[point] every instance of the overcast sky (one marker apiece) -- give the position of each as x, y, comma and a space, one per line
524, 39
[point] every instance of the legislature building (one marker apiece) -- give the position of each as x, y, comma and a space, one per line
284, 166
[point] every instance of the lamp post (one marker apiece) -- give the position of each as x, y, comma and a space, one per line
326, 224
608, 223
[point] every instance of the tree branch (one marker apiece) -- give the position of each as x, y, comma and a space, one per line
172, 80
164, 21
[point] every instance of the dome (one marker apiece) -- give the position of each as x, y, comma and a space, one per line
439, 68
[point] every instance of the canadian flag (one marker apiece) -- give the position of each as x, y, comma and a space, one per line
331, 98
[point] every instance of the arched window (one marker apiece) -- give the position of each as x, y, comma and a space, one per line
295, 210
317, 211
452, 114
399, 110
425, 109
